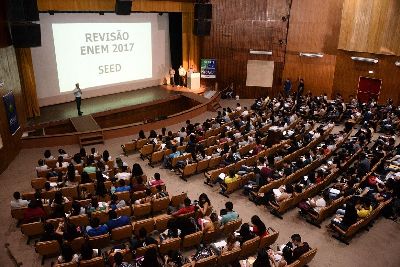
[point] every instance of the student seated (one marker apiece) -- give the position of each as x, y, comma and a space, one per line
67, 254
245, 234
17, 202
259, 227
231, 178
209, 224
188, 208
156, 181
147, 199
299, 247
122, 187
344, 219
34, 211
172, 231
142, 240
229, 214
139, 186
124, 174
116, 221
115, 203
95, 229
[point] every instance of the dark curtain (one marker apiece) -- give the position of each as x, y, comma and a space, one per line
175, 41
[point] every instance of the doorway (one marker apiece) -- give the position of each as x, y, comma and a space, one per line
368, 88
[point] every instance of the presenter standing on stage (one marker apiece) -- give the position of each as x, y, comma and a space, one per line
78, 98
182, 76
172, 77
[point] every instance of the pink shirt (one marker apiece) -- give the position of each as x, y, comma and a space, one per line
156, 182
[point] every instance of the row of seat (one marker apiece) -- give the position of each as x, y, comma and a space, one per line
296, 175
316, 218
137, 211
279, 208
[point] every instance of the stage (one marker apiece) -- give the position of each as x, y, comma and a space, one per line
116, 115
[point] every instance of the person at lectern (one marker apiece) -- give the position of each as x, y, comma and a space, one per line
78, 98
172, 76
182, 76
191, 70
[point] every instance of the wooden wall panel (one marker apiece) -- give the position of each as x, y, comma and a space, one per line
9, 74
239, 26
371, 26
108, 5
190, 43
318, 73
347, 74
314, 26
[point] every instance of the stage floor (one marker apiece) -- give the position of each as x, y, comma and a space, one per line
102, 103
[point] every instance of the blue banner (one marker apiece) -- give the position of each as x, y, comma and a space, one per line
208, 68
11, 110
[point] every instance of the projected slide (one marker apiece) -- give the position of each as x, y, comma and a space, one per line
96, 54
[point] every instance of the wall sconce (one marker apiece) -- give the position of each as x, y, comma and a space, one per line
365, 59
320, 55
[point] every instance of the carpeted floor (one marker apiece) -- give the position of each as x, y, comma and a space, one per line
378, 247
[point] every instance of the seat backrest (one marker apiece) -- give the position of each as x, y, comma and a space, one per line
141, 251
214, 162
172, 244
130, 147
157, 156
28, 195
211, 236
160, 204
269, 239
51, 163
307, 257
231, 226
161, 222
147, 149
101, 215
77, 244
124, 211
48, 248
126, 195
121, 233
207, 262
138, 195
202, 165
38, 183
55, 222
32, 229
95, 262
141, 210
148, 224
89, 187
189, 169
229, 256
177, 200
192, 239
100, 241
250, 247
140, 143
79, 220
70, 192
18, 213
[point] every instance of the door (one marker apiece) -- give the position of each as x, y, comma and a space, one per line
368, 88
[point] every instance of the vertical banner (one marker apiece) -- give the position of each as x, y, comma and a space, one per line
11, 110
208, 68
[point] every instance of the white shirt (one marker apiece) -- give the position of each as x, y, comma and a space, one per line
123, 175
77, 92
171, 72
18, 203
182, 71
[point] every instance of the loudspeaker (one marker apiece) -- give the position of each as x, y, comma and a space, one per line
202, 27
123, 7
25, 34
23, 10
203, 11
